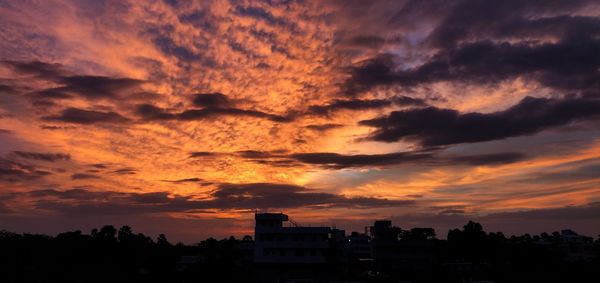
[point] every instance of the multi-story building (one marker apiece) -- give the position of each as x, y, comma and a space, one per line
276, 242
358, 246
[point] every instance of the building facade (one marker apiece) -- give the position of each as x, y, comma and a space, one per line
279, 241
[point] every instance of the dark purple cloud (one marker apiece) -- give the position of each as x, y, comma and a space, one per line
363, 104
83, 176
12, 171
324, 127
86, 117
211, 100
330, 160
98, 87
226, 196
50, 157
149, 112
433, 126
186, 180
482, 42
125, 171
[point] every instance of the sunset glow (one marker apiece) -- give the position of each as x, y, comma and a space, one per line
184, 117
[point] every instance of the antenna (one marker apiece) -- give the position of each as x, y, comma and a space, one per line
296, 224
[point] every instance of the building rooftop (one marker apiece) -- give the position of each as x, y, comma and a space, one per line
271, 216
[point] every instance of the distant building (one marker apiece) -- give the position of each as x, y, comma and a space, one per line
570, 237
394, 253
358, 246
576, 247
278, 243
385, 240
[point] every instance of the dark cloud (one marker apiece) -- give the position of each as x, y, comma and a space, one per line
5, 131
37, 68
75, 194
80, 176
377, 71
354, 104
86, 117
324, 127
568, 65
260, 13
402, 100
268, 195
52, 127
330, 160
125, 171
186, 180
487, 42
338, 161
170, 47
476, 20
50, 157
226, 196
150, 112
434, 126
363, 104
8, 89
211, 100
97, 87
201, 154
51, 93
208, 113
254, 154
100, 165
86, 86
365, 41
11, 171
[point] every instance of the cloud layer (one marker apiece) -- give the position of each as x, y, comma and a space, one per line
201, 112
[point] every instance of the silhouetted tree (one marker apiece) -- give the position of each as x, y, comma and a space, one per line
125, 234
161, 240
107, 255
418, 234
107, 233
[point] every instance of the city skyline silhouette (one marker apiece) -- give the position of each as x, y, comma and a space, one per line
380, 123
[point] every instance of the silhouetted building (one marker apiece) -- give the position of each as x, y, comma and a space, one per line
395, 254
358, 246
276, 243
576, 247
384, 240
287, 252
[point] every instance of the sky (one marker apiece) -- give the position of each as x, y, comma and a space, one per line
186, 117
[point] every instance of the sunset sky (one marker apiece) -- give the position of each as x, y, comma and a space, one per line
183, 118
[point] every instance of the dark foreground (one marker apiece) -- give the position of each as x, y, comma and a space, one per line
469, 255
